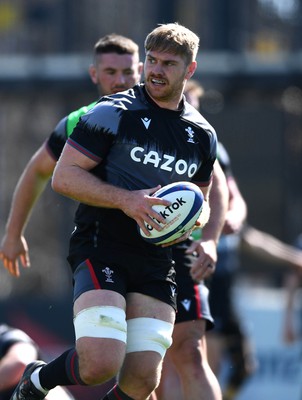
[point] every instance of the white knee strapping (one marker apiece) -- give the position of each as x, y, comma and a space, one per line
149, 334
101, 322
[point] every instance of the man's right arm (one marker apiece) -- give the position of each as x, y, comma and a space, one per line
29, 188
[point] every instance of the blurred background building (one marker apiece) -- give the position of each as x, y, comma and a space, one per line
250, 64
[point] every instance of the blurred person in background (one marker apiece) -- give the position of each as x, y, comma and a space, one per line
17, 350
228, 336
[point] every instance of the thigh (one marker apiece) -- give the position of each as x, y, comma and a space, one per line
142, 306
142, 365
99, 297
190, 331
96, 344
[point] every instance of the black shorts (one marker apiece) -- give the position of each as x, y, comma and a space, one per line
125, 272
192, 297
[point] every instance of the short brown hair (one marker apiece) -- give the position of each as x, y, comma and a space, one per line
173, 38
114, 43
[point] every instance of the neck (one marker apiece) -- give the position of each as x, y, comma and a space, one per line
171, 104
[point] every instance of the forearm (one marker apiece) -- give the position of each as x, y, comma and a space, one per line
270, 248
29, 188
26, 194
82, 186
218, 203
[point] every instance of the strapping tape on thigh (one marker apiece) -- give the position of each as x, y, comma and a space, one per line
101, 322
149, 334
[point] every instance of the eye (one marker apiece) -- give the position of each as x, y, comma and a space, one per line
151, 60
110, 71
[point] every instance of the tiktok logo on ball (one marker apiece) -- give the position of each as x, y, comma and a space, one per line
169, 212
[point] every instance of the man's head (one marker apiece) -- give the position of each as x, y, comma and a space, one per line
175, 39
116, 64
171, 51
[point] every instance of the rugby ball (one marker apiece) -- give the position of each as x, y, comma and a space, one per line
186, 205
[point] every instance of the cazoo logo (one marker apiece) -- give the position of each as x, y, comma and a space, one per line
166, 163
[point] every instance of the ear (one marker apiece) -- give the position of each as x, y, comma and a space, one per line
93, 74
140, 67
191, 69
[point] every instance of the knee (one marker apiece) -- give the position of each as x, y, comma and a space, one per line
187, 353
96, 375
143, 380
98, 362
94, 371
148, 381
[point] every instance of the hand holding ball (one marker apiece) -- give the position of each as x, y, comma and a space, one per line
186, 206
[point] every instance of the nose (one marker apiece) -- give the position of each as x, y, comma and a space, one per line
120, 79
157, 69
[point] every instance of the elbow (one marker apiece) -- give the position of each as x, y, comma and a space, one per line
57, 182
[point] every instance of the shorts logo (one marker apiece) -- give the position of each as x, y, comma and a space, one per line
173, 291
108, 273
187, 304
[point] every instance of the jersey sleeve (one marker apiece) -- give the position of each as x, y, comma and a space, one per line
57, 139
96, 131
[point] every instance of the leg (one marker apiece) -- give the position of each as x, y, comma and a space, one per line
100, 356
100, 348
216, 346
189, 356
141, 370
170, 384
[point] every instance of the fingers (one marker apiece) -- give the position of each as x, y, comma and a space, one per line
25, 261
202, 271
147, 224
11, 266
151, 191
153, 216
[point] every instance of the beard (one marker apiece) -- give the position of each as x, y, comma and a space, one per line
164, 91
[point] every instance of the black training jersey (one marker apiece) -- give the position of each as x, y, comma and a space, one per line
139, 145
